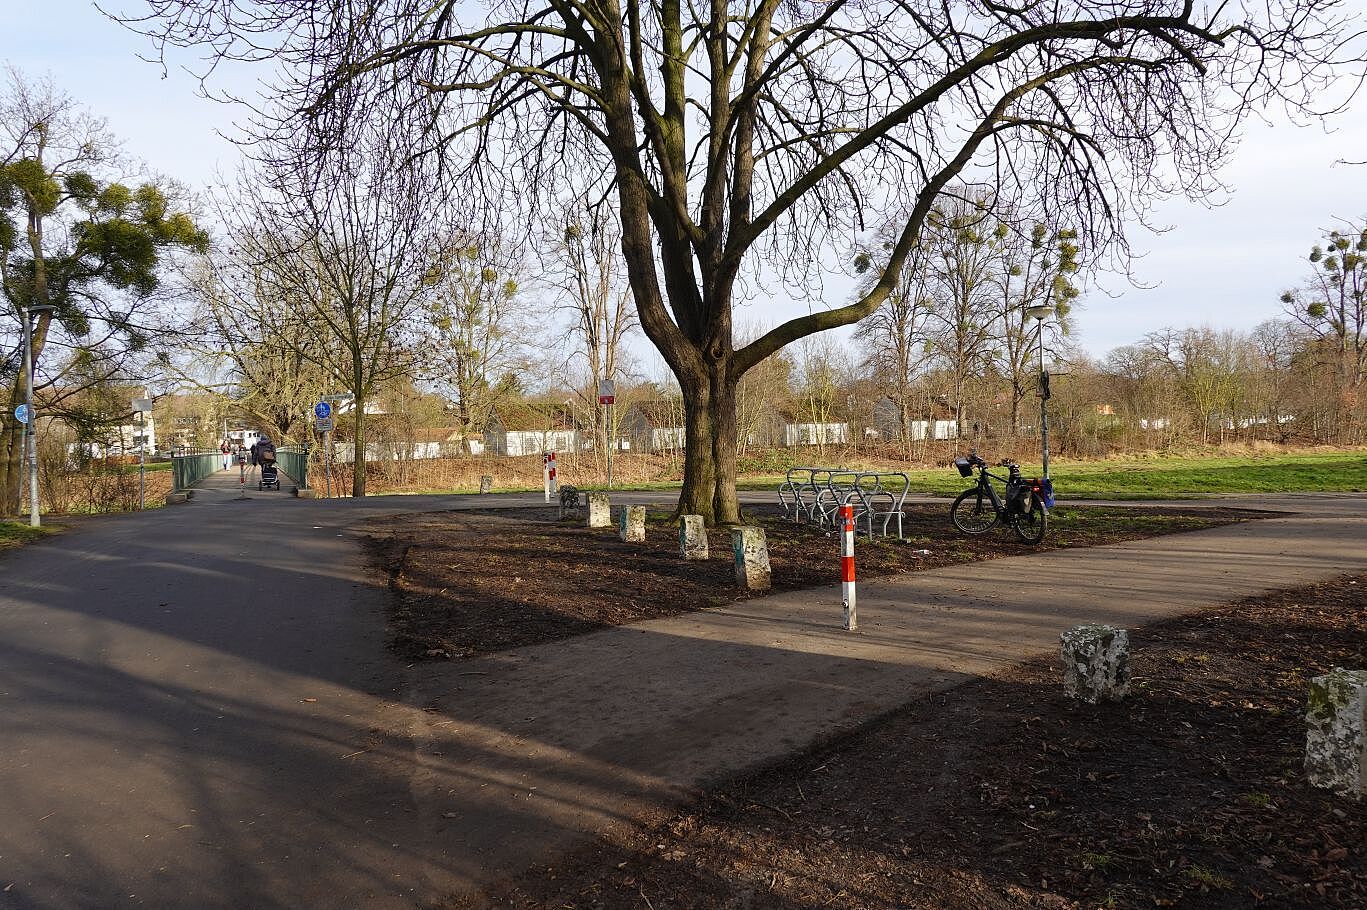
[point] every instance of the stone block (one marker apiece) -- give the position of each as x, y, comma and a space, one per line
486, 483
1336, 732
1096, 663
306, 493
174, 498
632, 524
693, 537
600, 510
751, 550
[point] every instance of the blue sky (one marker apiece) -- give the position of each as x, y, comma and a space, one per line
1223, 267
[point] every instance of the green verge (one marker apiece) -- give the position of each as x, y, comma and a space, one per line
151, 466
16, 534
1127, 477
1162, 477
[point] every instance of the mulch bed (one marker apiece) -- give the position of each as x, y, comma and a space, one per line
1003, 794
475, 582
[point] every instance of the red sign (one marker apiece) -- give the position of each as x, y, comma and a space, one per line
607, 399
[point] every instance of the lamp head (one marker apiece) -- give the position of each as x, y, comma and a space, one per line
1040, 312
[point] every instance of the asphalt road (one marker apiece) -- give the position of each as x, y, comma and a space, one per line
198, 711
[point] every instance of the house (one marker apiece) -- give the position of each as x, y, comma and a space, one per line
937, 424
654, 426
133, 434
244, 438
443, 442
799, 433
530, 430
126, 439
344, 405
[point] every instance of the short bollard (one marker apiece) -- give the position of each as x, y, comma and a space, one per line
548, 474
847, 567
751, 549
600, 510
632, 524
486, 483
693, 537
1096, 663
1336, 732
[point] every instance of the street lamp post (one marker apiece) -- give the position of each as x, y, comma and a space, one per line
31, 425
1039, 314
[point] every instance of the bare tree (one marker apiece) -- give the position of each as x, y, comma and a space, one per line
757, 138
893, 338
1036, 269
963, 254
1333, 306
1207, 367
478, 329
348, 244
822, 371
591, 279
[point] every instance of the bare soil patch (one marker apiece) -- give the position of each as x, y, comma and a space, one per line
1002, 794
473, 582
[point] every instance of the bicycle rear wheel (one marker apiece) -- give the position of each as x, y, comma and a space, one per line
973, 512
1030, 526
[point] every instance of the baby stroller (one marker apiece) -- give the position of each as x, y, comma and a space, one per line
270, 474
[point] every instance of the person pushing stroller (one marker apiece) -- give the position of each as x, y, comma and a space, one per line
263, 454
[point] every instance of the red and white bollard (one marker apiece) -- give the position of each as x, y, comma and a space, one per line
548, 474
847, 565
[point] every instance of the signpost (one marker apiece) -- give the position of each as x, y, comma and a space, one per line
607, 397
21, 413
142, 407
322, 411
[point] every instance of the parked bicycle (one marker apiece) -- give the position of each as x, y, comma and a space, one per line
1024, 504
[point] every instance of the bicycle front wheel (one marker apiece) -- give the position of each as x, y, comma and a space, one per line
973, 512
1030, 526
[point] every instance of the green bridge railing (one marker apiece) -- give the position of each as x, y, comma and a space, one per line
189, 468
294, 461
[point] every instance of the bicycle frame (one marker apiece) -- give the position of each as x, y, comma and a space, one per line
998, 504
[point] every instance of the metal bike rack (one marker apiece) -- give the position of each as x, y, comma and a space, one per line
813, 495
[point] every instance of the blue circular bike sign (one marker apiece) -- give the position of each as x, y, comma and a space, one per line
21, 413
322, 410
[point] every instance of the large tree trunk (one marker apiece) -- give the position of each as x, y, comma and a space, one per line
710, 432
11, 454
725, 503
700, 468
358, 460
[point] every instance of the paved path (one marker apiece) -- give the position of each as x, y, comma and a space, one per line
198, 714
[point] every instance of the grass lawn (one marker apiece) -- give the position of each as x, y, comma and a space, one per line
1160, 477
16, 534
151, 466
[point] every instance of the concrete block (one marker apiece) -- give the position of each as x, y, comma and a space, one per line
693, 537
600, 509
1096, 663
751, 550
173, 498
632, 524
1336, 732
306, 493
486, 483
